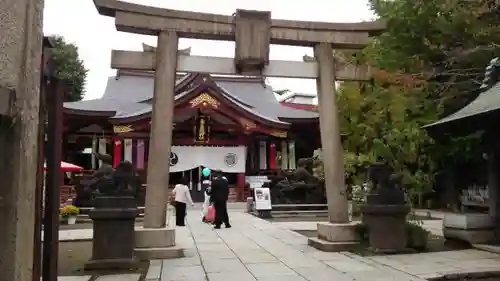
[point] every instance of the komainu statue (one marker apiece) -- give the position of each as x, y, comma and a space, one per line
124, 181
299, 186
86, 186
385, 186
120, 181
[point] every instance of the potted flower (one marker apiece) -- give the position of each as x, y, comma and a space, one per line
69, 212
357, 198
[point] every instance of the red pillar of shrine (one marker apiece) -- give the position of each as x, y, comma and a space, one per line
117, 152
240, 187
272, 156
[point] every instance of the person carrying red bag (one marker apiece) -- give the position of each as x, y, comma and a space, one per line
219, 195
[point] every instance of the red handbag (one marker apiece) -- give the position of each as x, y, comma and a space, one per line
210, 214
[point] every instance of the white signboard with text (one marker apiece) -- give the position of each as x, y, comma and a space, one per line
262, 198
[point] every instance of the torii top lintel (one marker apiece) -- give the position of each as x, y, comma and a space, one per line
140, 19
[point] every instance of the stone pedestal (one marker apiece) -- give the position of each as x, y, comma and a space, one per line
471, 228
335, 237
387, 227
156, 243
113, 241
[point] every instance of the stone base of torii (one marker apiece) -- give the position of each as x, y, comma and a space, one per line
253, 32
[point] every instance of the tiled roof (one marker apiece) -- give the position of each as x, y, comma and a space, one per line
487, 101
127, 96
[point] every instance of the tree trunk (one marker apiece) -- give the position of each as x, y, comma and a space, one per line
20, 54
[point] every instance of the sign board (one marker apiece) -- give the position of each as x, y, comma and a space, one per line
262, 199
256, 181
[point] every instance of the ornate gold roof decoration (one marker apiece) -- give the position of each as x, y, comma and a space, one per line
122, 129
205, 99
279, 134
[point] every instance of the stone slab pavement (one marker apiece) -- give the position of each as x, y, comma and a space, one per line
254, 249
434, 226
432, 265
113, 277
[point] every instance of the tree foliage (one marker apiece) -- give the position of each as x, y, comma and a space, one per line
429, 63
70, 68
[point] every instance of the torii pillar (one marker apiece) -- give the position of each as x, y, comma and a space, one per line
253, 32
155, 234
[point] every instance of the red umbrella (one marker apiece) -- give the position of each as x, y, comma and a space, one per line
66, 167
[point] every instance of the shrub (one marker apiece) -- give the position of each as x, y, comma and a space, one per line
417, 236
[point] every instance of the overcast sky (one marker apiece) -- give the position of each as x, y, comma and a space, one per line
95, 35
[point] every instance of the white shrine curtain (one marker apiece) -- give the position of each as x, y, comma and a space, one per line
226, 159
184, 158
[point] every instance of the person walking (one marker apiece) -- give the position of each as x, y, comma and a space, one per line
182, 197
219, 197
206, 187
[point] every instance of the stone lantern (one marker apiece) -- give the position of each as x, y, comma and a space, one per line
385, 211
113, 216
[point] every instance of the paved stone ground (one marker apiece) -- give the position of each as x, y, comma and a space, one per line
256, 249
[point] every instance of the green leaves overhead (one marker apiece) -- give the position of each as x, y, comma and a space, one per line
429, 63
69, 67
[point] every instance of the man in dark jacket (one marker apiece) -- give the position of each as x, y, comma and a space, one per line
219, 195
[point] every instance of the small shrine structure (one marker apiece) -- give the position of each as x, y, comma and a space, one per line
479, 116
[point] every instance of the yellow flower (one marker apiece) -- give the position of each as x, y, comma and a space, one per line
69, 210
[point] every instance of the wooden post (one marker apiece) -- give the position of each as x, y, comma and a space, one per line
55, 97
161, 131
330, 135
46, 72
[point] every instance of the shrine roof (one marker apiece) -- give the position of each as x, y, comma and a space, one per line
487, 102
130, 95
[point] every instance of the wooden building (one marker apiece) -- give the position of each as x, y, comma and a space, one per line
233, 124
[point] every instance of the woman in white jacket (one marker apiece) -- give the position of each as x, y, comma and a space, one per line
182, 197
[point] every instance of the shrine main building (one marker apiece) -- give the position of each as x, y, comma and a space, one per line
233, 124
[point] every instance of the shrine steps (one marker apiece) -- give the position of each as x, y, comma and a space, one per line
302, 210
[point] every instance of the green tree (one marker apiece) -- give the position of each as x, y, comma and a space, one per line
69, 67
429, 63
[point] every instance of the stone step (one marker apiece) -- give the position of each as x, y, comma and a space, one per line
72, 278
300, 212
85, 210
159, 253
296, 207
327, 246
82, 218
119, 277
303, 213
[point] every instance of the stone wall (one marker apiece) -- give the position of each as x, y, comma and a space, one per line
20, 58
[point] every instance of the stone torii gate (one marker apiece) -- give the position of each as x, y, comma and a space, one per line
253, 32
